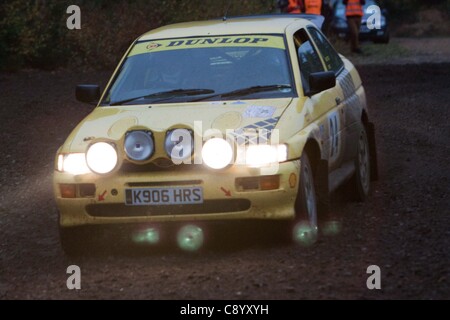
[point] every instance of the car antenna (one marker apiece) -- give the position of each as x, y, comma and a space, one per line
226, 11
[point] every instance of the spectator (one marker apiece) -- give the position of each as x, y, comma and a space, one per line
327, 12
313, 6
296, 6
305, 6
354, 13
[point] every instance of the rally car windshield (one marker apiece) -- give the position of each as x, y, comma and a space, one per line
210, 68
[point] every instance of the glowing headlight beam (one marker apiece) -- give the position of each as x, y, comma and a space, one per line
101, 157
264, 154
73, 163
217, 153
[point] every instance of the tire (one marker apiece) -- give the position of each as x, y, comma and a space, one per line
305, 229
360, 182
73, 240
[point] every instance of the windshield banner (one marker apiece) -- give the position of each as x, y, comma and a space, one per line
267, 41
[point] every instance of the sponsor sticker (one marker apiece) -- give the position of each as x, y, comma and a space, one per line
259, 112
267, 41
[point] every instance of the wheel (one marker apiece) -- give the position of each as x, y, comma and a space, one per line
360, 182
73, 240
305, 229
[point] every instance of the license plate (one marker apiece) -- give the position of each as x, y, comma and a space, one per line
163, 196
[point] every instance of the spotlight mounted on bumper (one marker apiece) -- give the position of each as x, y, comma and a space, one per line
139, 145
179, 145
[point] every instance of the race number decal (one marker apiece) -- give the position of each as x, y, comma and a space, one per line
333, 121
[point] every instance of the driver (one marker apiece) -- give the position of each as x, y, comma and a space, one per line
171, 66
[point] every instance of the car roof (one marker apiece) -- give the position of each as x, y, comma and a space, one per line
257, 24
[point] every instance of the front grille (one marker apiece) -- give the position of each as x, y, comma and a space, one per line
207, 207
128, 167
165, 183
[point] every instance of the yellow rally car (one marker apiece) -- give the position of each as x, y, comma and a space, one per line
241, 118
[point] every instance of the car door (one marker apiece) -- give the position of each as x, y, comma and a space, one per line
328, 109
333, 62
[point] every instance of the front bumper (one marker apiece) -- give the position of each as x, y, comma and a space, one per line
223, 195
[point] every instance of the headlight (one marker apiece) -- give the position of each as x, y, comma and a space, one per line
139, 145
73, 163
101, 157
179, 145
217, 153
261, 155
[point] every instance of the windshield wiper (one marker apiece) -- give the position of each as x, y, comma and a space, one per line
247, 91
169, 93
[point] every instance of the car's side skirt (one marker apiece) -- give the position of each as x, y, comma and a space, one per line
340, 175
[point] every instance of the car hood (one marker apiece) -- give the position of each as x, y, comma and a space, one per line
112, 123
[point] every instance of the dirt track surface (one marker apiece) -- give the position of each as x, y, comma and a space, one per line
403, 227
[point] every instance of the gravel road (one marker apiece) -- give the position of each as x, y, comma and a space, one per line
403, 227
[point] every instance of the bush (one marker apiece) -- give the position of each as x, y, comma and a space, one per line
34, 33
31, 34
406, 11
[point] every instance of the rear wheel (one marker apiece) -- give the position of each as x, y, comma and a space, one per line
360, 182
305, 230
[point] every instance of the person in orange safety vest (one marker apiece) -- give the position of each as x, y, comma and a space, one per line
295, 6
354, 13
305, 6
313, 6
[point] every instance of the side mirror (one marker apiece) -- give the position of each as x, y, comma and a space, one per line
321, 81
88, 93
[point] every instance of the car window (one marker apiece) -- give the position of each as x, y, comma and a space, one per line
218, 64
331, 58
308, 58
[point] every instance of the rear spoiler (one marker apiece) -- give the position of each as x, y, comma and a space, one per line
317, 20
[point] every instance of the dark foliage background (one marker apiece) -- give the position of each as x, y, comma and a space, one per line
33, 33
